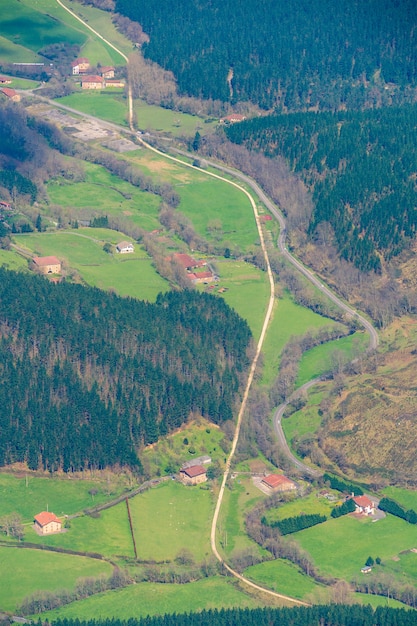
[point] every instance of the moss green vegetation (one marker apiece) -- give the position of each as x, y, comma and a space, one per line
236, 503
154, 118
247, 291
33, 28
102, 193
22, 572
311, 504
156, 599
406, 497
10, 51
107, 534
289, 320
306, 421
172, 517
132, 276
284, 577
106, 105
29, 495
12, 261
322, 358
168, 454
340, 547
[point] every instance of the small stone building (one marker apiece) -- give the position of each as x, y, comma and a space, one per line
125, 247
47, 523
193, 475
278, 482
47, 264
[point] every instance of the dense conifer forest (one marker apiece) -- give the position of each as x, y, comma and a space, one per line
333, 615
284, 55
88, 377
360, 167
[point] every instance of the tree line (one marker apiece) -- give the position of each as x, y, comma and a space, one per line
320, 615
89, 377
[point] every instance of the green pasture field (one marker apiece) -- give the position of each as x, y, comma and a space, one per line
203, 438
232, 537
307, 420
321, 359
289, 320
340, 547
24, 571
406, 497
154, 118
374, 601
204, 200
10, 51
171, 517
157, 599
29, 495
284, 577
311, 504
104, 193
23, 83
247, 291
103, 104
128, 275
27, 26
404, 569
94, 48
12, 261
107, 534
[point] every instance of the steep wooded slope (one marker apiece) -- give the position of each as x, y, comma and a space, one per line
361, 169
87, 377
279, 53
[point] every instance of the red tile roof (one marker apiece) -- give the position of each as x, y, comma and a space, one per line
185, 260
194, 470
10, 93
276, 480
92, 79
46, 260
80, 60
363, 501
45, 518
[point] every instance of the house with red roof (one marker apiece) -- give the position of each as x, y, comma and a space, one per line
92, 82
80, 66
364, 505
47, 523
5, 80
106, 71
46, 264
193, 475
11, 94
233, 118
278, 482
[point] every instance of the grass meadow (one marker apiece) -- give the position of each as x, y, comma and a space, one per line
284, 577
322, 358
29, 25
106, 105
201, 438
107, 534
156, 599
307, 420
289, 320
29, 495
231, 527
22, 572
10, 51
307, 505
340, 547
127, 275
171, 517
247, 291
406, 497
102, 193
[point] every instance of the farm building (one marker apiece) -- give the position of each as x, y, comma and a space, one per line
366, 570
47, 523
92, 82
187, 261
233, 118
5, 80
193, 475
80, 66
116, 82
364, 505
278, 482
11, 94
47, 264
125, 247
107, 71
